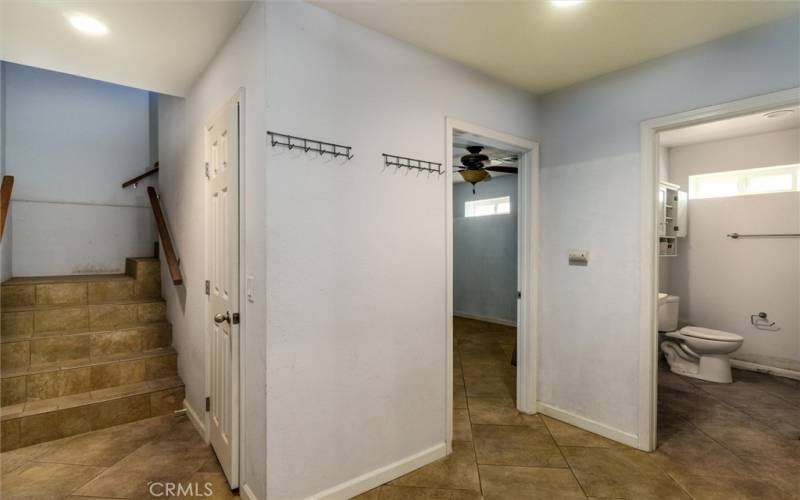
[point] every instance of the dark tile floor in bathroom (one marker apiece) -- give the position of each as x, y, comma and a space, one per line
721, 442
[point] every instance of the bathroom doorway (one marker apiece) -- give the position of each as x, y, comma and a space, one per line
492, 256
720, 343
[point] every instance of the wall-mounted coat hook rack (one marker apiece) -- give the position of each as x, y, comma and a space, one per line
321, 147
402, 161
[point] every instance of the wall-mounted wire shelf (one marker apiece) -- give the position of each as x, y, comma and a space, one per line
321, 147
411, 163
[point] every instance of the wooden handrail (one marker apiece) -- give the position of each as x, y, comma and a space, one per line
169, 251
5, 201
136, 179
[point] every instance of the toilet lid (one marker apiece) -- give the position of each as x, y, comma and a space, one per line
709, 334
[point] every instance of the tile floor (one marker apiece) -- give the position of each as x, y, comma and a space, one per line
737, 441
117, 462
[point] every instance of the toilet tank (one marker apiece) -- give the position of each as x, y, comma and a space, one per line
668, 312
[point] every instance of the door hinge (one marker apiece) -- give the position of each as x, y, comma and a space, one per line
208, 173
519, 294
235, 319
208, 404
208, 287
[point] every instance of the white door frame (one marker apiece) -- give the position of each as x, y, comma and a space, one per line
527, 267
238, 330
648, 352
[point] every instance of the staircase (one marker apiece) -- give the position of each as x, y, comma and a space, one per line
81, 353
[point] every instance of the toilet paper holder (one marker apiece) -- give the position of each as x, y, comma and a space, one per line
762, 321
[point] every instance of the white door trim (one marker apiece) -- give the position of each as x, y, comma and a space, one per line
648, 351
527, 269
237, 400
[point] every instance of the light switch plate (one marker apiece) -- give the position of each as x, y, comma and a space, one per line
249, 289
578, 257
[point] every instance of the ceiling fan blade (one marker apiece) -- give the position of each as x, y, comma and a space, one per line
507, 159
508, 170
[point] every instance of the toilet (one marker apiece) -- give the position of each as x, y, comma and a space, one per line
694, 351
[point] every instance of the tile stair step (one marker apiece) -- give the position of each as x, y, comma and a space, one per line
9, 339
21, 352
34, 320
141, 280
30, 423
52, 380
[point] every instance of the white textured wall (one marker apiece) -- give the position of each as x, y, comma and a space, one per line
485, 253
356, 252
240, 63
720, 281
70, 143
590, 338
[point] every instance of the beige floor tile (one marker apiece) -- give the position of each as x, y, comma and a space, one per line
11, 460
373, 494
729, 488
488, 386
519, 445
415, 493
174, 457
682, 448
519, 483
46, 481
459, 396
461, 427
621, 473
780, 473
568, 435
205, 485
498, 411
457, 470
106, 447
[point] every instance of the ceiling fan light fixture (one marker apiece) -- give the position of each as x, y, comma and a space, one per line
474, 176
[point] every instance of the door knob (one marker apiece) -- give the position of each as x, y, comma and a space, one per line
219, 317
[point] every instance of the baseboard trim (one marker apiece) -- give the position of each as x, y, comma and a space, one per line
246, 493
771, 370
588, 424
195, 419
373, 479
487, 319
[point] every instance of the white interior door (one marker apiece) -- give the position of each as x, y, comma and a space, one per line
222, 143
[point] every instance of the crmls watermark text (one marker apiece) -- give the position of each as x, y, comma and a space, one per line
168, 489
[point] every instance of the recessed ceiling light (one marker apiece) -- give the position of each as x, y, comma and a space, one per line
779, 113
87, 24
566, 3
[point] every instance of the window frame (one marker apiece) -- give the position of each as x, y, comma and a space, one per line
743, 179
470, 206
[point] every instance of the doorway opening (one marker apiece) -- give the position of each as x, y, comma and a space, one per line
720, 235
492, 257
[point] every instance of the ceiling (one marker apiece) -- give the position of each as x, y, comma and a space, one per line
729, 128
540, 47
161, 46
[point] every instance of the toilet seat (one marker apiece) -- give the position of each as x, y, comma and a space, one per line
709, 334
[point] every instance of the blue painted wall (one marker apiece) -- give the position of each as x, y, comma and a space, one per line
485, 253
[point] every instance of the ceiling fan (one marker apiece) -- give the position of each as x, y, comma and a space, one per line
476, 166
